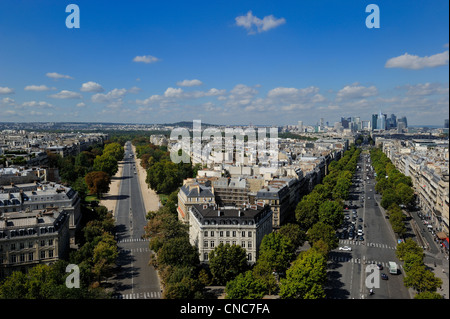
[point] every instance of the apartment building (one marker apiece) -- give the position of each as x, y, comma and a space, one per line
35, 196
427, 163
211, 226
31, 238
192, 192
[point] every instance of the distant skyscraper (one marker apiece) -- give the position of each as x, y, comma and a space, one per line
446, 123
403, 120
300, 126
374, 121
381, 121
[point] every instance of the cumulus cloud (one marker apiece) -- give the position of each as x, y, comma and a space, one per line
426, 89
254, 24
37, 88
6, 90
355, 91
66, 94
37, 104
55, 76
146, 59
414, 62
91, 87
189, 83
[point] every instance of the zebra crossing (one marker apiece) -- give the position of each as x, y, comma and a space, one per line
356, 243
339, 258
135, 250
131, 240
139, 295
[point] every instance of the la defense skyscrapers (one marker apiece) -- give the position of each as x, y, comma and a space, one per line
382, 122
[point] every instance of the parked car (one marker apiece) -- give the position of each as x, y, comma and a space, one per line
384, 276
346, 248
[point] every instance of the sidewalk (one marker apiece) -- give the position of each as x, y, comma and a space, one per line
151, 199
109, 200
444, 291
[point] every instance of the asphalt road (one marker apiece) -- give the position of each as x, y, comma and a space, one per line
136, 279
349, 270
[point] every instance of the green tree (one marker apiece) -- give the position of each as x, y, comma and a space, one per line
245, 286
226, 262
306, 278
331, 213
106, 163
277, 250
421, 279
322, 231
177, 252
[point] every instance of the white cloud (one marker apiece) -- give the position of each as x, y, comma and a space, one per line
40, 104
189, 83
354, 92
91, 87
8, 101
254, 24
426, 89
6, 90
146, 59
81, 104
37, 88
56, 76
108, 97
66, 94
414, 62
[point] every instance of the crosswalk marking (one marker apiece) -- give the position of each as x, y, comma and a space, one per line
385, 264
139, 295
135, 250
129, 240
357, 243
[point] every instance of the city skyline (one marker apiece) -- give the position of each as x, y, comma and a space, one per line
223, 63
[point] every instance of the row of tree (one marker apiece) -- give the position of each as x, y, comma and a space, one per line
418, 276
176, 259
163, 175
395, 188
397, 191
393, 185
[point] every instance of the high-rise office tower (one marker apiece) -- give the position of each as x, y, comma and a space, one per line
446, 123
374, 121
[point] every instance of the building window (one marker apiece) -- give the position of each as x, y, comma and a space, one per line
212, 244
249, 234
50, 242
212, 234
22, 245
205, 244
13, 246
228, 233
205, 256
243, 244
30, 256
43, 254
221, 233
234, 233
249, 257
22, 258
249, 244
243, 234
13, 259
206, 233
42, 243
50, 253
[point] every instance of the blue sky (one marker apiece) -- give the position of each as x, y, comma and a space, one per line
224, 62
